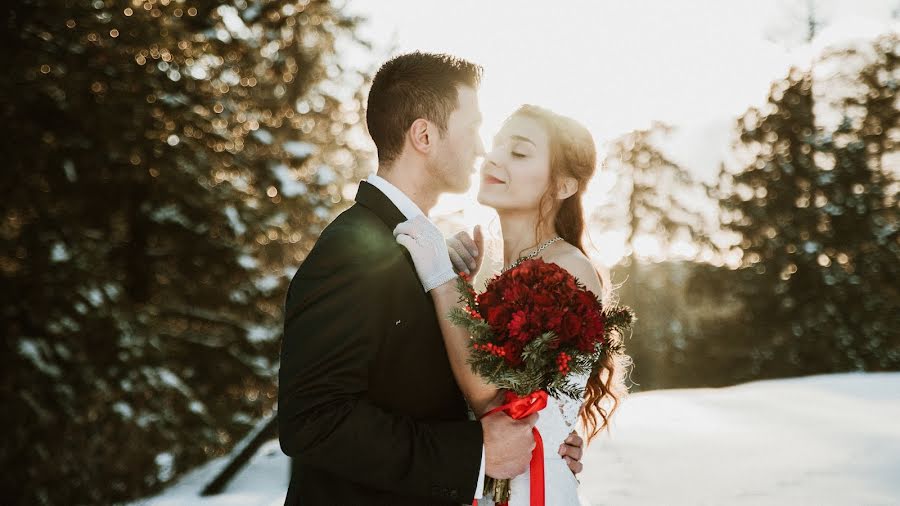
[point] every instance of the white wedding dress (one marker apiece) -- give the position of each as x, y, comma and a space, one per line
555, 423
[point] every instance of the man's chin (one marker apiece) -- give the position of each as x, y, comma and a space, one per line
461, 187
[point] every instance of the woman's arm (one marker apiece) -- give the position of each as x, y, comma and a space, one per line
430, 255
431, 258
479, 393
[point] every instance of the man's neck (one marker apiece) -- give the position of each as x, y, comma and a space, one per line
413, 182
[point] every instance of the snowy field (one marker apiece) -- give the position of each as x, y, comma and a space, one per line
820, 440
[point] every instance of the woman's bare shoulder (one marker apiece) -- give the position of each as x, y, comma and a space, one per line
579, 265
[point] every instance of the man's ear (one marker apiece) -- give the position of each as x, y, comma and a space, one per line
567, 187
420, 135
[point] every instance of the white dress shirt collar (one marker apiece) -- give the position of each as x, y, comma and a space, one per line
396, 196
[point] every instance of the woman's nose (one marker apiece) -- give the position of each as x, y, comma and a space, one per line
486, 161
492, 157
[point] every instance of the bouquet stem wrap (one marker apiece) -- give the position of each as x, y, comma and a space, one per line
517, 408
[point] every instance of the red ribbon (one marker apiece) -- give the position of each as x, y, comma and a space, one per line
517, 408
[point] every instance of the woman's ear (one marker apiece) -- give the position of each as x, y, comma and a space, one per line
567, 187
419, 135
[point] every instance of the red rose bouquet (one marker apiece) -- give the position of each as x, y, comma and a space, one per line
531, 328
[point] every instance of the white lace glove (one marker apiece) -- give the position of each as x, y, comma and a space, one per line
428, 249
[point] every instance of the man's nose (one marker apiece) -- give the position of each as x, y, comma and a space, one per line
479, 148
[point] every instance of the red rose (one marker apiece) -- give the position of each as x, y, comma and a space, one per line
498, 317
515, 294
518, 326
542, 299
571, 327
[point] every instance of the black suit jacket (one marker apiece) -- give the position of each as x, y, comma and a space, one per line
367, 404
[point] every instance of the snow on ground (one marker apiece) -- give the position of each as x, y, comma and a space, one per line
262, 482
819, 440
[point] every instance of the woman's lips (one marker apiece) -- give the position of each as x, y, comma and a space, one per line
493, 180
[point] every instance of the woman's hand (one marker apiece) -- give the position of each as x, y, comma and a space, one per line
571, 450
467, 252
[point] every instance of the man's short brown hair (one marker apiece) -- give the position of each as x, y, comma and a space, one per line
412, 86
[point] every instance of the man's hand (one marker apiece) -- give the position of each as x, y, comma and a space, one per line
507, 444
466, 252
571, 450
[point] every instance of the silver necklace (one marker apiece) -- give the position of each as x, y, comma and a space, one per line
534, 253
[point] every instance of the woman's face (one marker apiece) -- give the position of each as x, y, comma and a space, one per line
516, 171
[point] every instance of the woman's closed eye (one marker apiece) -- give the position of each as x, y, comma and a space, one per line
520, 150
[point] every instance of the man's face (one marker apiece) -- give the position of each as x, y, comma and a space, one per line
454, 159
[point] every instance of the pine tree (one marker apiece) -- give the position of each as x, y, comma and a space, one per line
654, 196
816, 211
860, 199
770, 210
167, 167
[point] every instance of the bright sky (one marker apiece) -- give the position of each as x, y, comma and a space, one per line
617, 66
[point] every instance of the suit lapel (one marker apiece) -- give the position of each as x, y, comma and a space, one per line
372, 199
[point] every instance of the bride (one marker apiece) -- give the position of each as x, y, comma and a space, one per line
534, 177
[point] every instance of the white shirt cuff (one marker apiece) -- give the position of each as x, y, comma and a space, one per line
479, 489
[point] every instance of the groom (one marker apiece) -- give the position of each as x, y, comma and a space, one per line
367, 404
